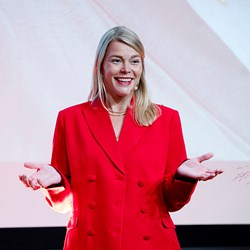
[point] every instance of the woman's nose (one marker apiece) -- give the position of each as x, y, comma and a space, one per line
125, 68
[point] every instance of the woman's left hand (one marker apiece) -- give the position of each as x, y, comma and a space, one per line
193, 168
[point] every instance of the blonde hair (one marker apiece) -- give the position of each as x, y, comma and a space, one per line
144, 111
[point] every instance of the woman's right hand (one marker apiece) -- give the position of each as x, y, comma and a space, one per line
44, 176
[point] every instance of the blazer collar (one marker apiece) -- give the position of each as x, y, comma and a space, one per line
100, 125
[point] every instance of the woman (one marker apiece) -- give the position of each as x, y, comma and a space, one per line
119, 162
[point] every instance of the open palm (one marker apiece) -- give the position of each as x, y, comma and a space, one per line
44, 176
193, 168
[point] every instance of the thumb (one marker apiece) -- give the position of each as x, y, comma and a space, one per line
205, 157
32, 165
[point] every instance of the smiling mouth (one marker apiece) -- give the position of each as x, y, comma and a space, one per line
124, 81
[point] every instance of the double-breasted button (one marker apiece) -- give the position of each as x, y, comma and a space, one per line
92, 178
91, 232
143, 210
146, 237
92, 205
140, 183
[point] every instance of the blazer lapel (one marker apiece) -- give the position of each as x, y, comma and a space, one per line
101, 127
130, 136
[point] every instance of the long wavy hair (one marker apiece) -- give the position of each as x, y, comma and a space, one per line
144, 111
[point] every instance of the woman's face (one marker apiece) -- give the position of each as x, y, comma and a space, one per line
121, 70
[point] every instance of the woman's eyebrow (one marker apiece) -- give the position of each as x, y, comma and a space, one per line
120, 56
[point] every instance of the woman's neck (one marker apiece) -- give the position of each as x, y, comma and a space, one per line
118, 105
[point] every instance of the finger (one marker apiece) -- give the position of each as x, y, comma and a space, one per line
34, 184
23, 179
210, 175
219, 171
215, 171
32, 165
29, 182
204, 157
207, 177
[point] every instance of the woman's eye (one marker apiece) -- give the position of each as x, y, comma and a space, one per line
135, 61
116, 61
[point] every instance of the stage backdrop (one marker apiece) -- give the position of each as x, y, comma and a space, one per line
197, 61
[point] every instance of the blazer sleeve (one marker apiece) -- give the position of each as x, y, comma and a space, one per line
177, 192
59, 196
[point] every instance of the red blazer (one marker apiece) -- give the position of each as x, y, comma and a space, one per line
120, 192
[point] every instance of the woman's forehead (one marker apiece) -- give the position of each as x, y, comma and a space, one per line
116, 48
